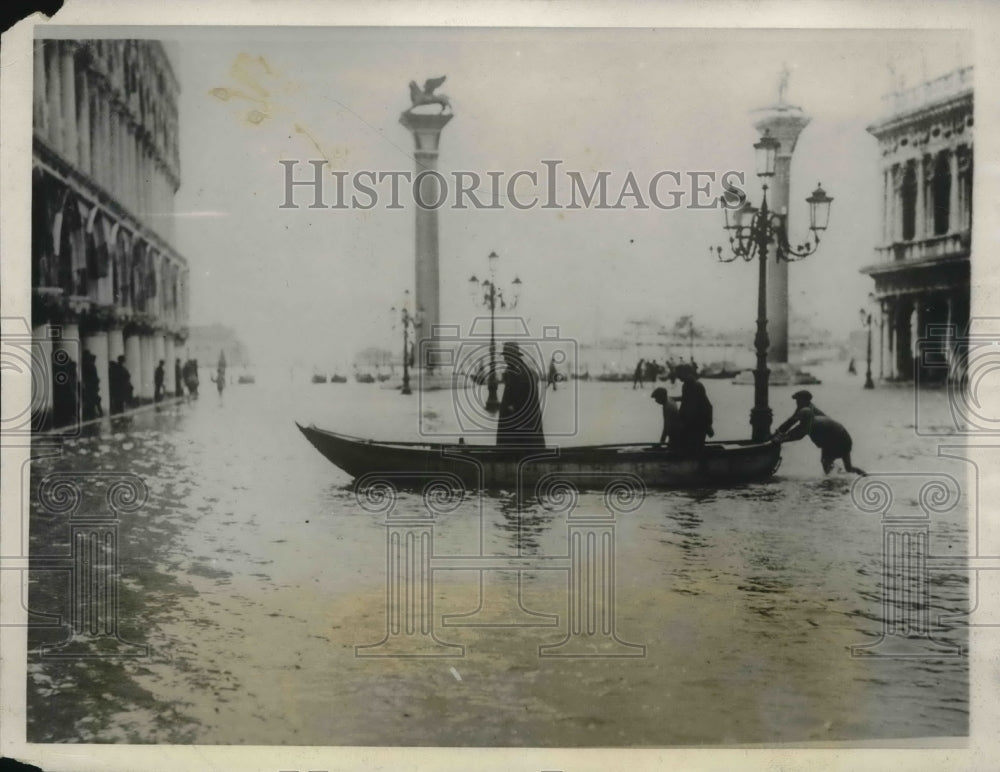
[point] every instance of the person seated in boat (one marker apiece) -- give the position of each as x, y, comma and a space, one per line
695, 414
671, 416
828, 435
520, 418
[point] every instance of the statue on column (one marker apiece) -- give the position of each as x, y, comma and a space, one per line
427, 96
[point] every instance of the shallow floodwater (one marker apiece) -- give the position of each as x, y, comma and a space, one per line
253, 571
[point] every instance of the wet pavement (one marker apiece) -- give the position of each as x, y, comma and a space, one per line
253, 571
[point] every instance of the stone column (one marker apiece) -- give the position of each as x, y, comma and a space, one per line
41, 376
133, 361
40, 95
426, 130
83, 98
895, 204
147, 352
53, 67
886, 206
785, 123
920, 215
169, 381
954, 216
98, 344
68, 83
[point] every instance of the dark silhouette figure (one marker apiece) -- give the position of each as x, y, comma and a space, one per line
695, 412
851, 368
191, 377
828, 435
158, 378
66, 389
639, 372
520, 419
671, 416
91, 388
120, 386
553, 376
178, 378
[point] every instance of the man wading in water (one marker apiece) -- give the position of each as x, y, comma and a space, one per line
520, 419
829, 436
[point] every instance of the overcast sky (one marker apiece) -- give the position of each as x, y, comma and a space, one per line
317, 285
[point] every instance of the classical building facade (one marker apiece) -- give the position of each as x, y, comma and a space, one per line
106, 280
922, 274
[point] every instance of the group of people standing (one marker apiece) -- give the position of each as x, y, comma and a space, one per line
651, 370
121, 392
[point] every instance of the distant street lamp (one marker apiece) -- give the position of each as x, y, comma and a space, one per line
408, 320
866, 320
492, 297
751, 231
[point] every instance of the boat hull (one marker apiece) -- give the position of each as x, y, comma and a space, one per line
487, 466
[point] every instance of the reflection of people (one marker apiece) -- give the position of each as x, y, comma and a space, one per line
828, 435
520, 419
671, 416
695, 412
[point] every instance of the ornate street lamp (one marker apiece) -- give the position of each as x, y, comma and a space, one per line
408, 321
751, 232
866, 320
492, 297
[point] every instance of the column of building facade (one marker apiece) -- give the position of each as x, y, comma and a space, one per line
921, 204
954, 216
68, 84
53, 69
83, 119
895, 210
40, 101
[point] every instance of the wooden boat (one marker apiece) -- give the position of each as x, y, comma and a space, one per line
338, 379
413, 464
318, 378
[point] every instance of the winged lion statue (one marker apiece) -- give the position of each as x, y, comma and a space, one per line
427, 96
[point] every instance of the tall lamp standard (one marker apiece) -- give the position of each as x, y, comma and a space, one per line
751, 231
866, 320
491, 297
408, 321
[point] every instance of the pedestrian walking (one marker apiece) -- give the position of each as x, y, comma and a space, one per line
520, 418
639, 372
828, 435
158, 379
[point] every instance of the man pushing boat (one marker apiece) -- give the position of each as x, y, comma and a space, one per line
828, 435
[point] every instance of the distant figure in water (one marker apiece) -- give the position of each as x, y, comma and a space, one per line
671, 416
553, 376
520, 418
191, 377
829, 436
851, 368
220, 374
640, 370
158, 377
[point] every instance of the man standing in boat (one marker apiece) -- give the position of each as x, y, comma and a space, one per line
828, 435
520, 418
695, 415
671, 416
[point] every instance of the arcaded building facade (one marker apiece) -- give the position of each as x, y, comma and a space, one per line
106, 279
922, 268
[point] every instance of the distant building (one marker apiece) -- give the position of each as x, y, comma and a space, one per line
105, 167
204, 343
922, 270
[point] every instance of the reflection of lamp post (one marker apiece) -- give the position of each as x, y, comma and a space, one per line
491, 298
751, 231
408, 320
866, 320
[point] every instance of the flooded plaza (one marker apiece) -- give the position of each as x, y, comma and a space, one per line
253, 571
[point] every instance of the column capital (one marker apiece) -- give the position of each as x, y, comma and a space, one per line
785, 122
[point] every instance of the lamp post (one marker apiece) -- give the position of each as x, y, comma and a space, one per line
491, 297
866, 320
751, 231
408, 320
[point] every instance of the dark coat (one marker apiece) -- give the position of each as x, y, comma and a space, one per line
520, 419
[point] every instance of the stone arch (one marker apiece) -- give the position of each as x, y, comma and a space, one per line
46, 197
69, 242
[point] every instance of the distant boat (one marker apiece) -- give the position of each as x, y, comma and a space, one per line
724, 369
318, 378
246, 378
613, 377
490, 467
338, 379
364, 378
781, 375
381, 377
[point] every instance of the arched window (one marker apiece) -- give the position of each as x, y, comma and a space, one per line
908, 196
941, 193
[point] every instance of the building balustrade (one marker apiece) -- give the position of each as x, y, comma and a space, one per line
934, 247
